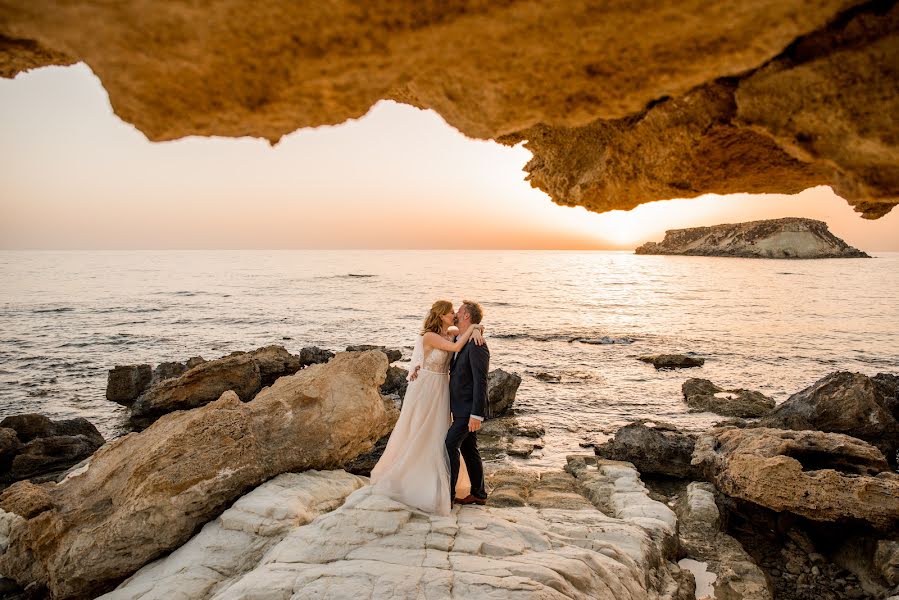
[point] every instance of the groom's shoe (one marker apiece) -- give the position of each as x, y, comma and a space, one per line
471, 499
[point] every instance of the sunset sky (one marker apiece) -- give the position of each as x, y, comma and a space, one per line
76, 177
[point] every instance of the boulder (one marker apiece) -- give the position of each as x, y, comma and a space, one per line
276, 543
50, 454
501, 389
821, 476
652, 447
396, 383
168, 370
31, 426
125, 383
393, 354
9, 447
199, 386
144, 494
888, 386
313, 355
703, 395
849, 403
673, 361
274, 362
194, 361
33, 444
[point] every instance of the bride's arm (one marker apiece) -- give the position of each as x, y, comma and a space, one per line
435, 341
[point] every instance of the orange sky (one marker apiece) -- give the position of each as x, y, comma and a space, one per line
77, 177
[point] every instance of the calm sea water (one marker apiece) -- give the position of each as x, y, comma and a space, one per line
770, 325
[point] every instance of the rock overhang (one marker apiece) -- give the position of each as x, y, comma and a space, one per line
619, 104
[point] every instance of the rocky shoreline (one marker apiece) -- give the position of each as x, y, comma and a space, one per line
261, 490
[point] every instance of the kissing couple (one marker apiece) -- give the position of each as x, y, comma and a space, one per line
443, 409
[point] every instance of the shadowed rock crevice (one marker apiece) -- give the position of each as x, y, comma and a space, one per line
620, 104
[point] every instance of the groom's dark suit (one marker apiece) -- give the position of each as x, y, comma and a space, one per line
468, 397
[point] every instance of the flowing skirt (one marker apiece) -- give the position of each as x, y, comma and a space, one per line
414, 468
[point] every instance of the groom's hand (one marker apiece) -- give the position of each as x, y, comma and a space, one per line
473, 424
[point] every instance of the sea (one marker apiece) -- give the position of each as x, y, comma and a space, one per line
571, 324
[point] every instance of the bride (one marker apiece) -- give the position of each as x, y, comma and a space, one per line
414, 468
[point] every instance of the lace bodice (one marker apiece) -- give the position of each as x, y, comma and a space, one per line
437, 360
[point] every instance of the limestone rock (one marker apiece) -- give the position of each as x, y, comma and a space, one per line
823, 97
652, 447
35, 445
821, 476
790, 237
619, 104
26, 500
225, 548
125, 383
313, 355
365, 462
145, 494
535, 488
268, 545
844, 402
701, 538
703, 395
664, 362
501, 389
199, 386
510, 436
393, 354
614, 487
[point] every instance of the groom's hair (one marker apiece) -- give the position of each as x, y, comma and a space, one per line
474, 309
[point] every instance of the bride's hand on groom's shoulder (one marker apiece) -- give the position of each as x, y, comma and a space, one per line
478, 337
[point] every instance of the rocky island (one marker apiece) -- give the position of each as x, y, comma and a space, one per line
791, 237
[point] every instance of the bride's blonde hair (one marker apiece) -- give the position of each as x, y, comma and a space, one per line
432, 321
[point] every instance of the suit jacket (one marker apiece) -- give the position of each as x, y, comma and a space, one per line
468, 382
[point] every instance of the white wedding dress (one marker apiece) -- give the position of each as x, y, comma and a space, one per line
414, 468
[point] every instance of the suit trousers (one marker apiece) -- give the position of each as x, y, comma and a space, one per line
459, 439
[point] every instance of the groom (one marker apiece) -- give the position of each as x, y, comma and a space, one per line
468, 403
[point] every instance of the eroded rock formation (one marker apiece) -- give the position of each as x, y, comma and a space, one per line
373, 547
775, 238
849, 403
821, 476
145, 493
620, 104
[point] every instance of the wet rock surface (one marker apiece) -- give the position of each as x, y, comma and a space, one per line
663, 362
703, 395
